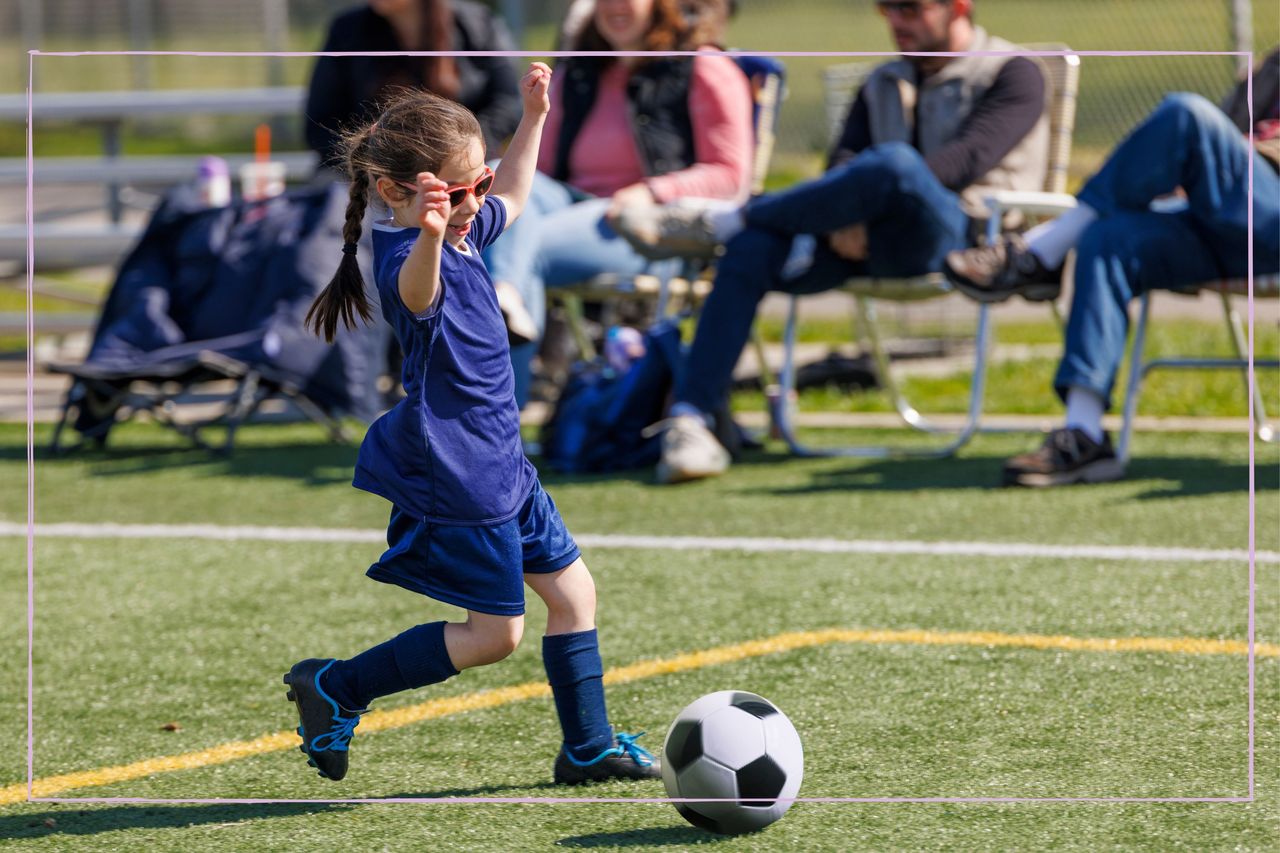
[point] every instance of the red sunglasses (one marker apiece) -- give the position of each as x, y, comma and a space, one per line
458, 194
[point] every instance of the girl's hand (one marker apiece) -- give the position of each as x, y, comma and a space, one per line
433, 205
533, 89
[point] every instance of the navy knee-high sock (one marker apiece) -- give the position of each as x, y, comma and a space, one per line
414, 658
576, 675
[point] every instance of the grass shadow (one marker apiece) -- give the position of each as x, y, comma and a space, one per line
1160, 478
314, 463
664, 836
70, 821
483, 791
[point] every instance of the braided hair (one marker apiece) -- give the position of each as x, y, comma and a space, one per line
417, 131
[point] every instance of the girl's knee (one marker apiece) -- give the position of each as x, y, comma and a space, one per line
498, 638
570, 592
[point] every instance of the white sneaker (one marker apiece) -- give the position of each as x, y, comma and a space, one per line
689, 451
521, 328
681, 229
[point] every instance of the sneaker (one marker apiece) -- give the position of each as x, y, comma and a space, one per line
690, 451
994, 273
326, 727
677, 230
521, 329
1068, 455
627, 760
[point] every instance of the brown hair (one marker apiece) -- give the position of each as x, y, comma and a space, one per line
416, 132
436, 73
668, 30
440, 73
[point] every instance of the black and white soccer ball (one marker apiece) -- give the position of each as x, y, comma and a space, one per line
733, 746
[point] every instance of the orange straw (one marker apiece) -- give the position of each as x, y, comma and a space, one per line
262, 143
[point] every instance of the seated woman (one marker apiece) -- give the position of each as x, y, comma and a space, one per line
620, 131
344, 90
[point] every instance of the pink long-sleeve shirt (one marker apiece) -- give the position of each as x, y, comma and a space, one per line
604, 157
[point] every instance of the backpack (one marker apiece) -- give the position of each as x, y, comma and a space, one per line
598, 421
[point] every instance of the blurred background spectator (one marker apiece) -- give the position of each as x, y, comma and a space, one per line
623, 131
343, 90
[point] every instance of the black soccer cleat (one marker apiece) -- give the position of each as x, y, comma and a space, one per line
627, 760
326, 727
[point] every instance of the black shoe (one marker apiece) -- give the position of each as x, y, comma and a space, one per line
1006, 268
326, 727
1068, 455
624, 761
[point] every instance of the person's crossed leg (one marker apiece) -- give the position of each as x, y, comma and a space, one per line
1124, 249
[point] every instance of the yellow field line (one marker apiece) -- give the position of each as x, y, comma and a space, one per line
376, 721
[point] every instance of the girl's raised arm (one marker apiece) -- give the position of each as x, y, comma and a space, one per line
419, 280
514, 177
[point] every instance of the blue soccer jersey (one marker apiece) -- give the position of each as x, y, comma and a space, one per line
450, 452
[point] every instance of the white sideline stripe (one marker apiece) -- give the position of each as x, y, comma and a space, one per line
671, 543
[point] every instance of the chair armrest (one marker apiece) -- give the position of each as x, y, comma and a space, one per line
1029, 202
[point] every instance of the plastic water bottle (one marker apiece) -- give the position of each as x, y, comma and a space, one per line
213, 182
623, 347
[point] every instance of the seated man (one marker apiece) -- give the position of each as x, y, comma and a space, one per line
1124, 248
924, 137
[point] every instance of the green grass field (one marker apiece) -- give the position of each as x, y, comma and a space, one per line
135, 634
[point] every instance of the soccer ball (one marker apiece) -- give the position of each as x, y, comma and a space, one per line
737, 747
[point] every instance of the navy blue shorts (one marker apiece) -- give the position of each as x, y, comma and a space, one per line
477, 568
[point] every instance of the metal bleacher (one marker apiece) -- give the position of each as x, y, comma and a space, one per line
104, 239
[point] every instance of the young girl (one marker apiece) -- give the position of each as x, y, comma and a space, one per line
470, 520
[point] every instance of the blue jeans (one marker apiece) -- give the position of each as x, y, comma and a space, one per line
912, 222
1186, 142
560, 239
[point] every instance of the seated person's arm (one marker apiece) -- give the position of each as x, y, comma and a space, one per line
850, 242
854, 137
720, 106
1004, 115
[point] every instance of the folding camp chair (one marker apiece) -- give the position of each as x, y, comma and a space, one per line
101, 396
1267, 287
768, 86
209, 304
840, 83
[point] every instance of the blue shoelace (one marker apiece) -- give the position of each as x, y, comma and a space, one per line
627, 744
338, 736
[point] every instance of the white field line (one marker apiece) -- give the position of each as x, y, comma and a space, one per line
670, 543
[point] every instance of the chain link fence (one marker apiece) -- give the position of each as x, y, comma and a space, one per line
1114, 93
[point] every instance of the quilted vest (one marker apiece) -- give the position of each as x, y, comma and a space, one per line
944, 101
658, 100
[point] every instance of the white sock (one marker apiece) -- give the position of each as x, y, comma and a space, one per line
1084, 411
1050, 241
